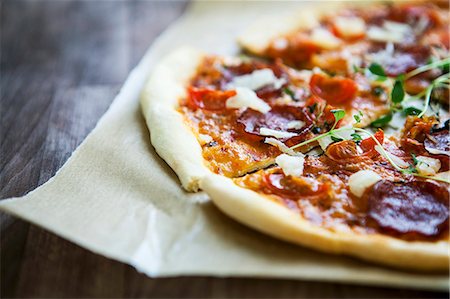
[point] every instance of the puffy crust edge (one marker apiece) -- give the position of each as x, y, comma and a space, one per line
265, 215
172, 139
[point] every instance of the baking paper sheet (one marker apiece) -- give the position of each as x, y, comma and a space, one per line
116, 197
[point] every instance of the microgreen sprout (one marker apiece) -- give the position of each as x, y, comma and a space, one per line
435, 64
356, 137
289, 92
339, 114
377, 69
398, 92
336, 139
382, 121
358, 116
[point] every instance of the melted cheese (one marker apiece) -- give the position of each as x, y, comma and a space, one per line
350, 26
361, 180
276, 133
291, 165
427, 165
256, 80
247, 98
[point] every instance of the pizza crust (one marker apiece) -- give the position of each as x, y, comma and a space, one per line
263, 214
172, 138
175, 142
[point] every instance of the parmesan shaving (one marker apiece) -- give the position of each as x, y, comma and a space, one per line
427, 165
291, 165
295, 124
325, 39
281, 146
276, 133
395, 159
350, 26
390, 32
256, 80
315, 152
247, 98
361, 180
436, 151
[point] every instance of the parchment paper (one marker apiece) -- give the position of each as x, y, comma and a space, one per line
116, 197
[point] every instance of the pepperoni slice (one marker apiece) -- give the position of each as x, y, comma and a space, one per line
335, 90
342, 151
418, 208
208, 99
368, 144
276, 119
405, 59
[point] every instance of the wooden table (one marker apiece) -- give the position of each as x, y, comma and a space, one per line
62, 64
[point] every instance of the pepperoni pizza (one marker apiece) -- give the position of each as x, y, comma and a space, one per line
336, 138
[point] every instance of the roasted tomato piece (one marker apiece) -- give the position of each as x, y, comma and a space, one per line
294, 187
345, 156
208, 99
417, 208
368, 144
289, 119
335, 90
342, 151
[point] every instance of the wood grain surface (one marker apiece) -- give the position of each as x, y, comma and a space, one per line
62, 63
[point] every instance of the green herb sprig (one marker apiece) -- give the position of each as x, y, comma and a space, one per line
398, 92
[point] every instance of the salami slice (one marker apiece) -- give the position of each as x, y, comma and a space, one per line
418, 207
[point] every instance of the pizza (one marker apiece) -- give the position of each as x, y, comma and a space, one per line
333, 135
